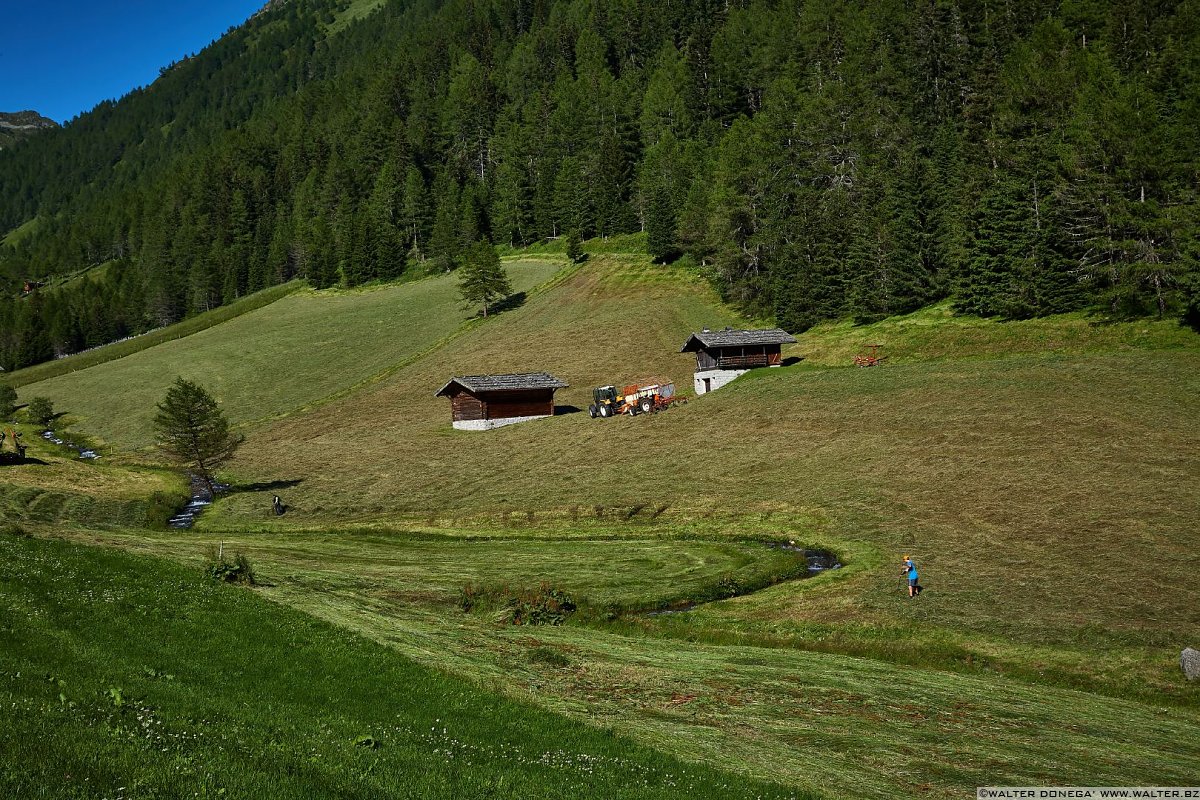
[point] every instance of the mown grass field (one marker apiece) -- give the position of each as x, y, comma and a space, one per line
1045, 475
1051, 498
827, 723
272, 361
126, 676
935, 332
56, 486
111, 352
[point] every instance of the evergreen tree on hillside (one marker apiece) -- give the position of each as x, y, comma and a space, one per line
192, 430
1002, 242
482, 279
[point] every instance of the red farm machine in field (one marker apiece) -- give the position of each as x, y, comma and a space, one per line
636, 398
871, 359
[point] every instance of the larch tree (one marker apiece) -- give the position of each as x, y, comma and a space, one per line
192, 430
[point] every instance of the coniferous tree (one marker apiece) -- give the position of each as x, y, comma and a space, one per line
192, 430
482, 279
8, 399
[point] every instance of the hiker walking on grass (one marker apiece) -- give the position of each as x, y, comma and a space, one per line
910, 571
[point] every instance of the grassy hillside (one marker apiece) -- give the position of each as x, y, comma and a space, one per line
1035, 490
111, 352
813, 721
164, 684
1045, 476
270, 361
56, 486
936, 332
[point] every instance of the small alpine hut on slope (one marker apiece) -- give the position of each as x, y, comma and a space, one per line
724, 355
483, 402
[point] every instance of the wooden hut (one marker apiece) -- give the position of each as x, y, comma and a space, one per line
483, 402
724, 355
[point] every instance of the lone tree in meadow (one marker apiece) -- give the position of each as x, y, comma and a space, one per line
192, 430
481, 279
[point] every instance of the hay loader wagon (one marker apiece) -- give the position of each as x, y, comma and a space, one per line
633, 399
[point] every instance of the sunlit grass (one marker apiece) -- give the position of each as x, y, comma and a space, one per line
1044, 474
128, 677
272, 361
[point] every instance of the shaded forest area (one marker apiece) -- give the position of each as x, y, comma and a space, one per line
817, 159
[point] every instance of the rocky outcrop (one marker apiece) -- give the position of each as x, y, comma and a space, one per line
1189, 662
17, 125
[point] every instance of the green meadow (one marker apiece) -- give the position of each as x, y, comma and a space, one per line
270, 361
1045, 475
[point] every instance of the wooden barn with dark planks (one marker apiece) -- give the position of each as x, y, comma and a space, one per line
483, 402
724, 355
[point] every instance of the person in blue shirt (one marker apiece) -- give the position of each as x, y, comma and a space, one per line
910, 571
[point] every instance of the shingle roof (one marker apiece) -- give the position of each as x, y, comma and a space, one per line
501, 383
732, 338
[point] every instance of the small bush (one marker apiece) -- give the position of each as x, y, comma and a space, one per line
13, 529
550, 656
545, 605
41, 411
239, 571
8, 400
161, 507
469, 596
729, 586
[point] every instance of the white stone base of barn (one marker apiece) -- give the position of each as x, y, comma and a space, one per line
489, 424
709, 380
712, 379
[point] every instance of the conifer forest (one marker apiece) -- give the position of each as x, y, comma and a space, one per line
815, 159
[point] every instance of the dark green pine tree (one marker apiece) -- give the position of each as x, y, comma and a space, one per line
889, 271
662, 241
414, 216
482, 279
444, 242
384, 237
192, 430
1003, 240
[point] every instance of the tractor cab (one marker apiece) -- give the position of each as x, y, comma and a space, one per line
605, 401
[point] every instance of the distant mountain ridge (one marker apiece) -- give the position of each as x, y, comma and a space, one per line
17, 125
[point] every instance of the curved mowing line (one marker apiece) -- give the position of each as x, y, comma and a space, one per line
801, 570
724, 588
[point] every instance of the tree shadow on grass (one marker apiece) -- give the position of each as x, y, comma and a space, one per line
513, 301
264, 486
11, 459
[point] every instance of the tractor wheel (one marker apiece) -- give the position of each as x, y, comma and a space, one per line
593, 411
647, 404
606, 411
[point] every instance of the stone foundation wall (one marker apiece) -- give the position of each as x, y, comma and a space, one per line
489, 424
716, 379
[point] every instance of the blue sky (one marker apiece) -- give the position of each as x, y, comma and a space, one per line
62, 58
